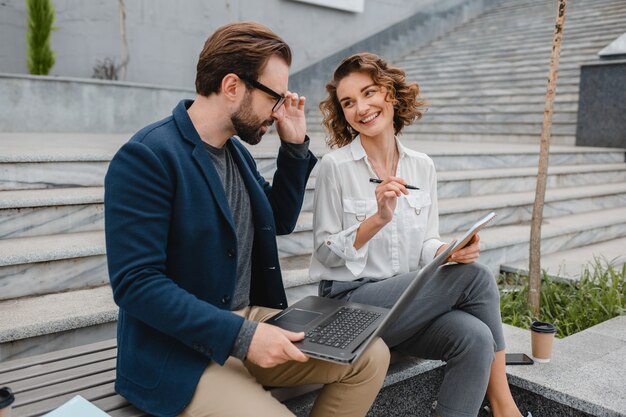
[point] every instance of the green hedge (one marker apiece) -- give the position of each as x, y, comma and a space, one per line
572, 306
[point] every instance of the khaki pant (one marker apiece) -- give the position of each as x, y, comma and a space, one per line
236, 388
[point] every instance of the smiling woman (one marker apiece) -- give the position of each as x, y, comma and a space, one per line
371, 238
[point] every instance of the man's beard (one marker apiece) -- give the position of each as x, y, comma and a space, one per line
247, 126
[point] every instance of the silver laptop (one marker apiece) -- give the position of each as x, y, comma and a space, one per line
340, 331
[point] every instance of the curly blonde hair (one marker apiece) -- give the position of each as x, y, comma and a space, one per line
402, 94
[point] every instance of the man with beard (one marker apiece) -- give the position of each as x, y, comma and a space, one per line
191, 231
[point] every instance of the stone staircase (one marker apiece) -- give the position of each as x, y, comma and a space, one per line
485, 83
486, 80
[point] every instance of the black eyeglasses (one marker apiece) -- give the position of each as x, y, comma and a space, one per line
280, 99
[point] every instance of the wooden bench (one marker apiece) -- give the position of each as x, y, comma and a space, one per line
42, 383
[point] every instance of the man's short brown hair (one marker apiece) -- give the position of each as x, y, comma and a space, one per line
241, 48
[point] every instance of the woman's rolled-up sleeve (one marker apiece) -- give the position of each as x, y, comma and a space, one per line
334, 245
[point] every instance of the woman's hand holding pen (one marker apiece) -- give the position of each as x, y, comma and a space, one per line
387, 194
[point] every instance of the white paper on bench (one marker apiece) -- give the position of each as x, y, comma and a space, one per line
77, 407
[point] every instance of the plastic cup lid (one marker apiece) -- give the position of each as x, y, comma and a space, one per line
6, 397
541, 327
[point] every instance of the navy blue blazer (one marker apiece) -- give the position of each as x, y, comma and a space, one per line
172, 256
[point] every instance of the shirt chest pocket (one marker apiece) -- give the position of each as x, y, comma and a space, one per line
355, 211
417, 209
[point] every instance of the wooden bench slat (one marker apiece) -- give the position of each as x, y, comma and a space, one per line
57, 355
59, 365
42, 407
128, 412
68, 387
112, 403
64, 375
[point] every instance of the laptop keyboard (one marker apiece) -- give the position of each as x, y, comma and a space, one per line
342, 327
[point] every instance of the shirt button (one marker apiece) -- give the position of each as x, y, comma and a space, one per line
231, 253
328, 242
226, 299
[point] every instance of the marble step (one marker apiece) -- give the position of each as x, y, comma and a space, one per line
434, 126
521, 8
68, 261
52, 317
530, 107
56, 160
27, 213
536, 76
47, 264
516, 29
504, 113
485, 35
480, 182
457, 214
523, 58
505, 91
570, 58
474, 72
506, 108
508, 244
578, 10
478, 154
53, 211
442, 115
540, 27
569, 264
54, 167
471, 85
51, 174
490, 100
459, 46
495, 138
453, 46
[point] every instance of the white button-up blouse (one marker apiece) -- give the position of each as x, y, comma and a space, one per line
344, 197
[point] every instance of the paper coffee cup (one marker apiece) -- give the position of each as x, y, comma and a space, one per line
542, 338
6, 399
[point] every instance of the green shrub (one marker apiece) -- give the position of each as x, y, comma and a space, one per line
40, 57
572, 306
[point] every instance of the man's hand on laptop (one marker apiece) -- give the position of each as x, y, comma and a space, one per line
272, 346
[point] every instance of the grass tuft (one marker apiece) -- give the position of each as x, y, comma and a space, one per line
572, 306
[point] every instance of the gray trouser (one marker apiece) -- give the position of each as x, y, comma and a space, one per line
454, 318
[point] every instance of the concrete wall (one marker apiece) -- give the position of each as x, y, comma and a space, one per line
165, 36
60, 104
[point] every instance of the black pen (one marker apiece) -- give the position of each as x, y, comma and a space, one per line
408, 187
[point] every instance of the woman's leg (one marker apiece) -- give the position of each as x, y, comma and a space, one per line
498, 391
466, 345
470, 288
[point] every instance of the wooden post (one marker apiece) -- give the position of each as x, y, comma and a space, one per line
534, 267
124, 52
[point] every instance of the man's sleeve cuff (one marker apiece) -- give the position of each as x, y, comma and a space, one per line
244, 338
296, 150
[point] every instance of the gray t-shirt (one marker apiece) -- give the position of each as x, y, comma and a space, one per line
239, 203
